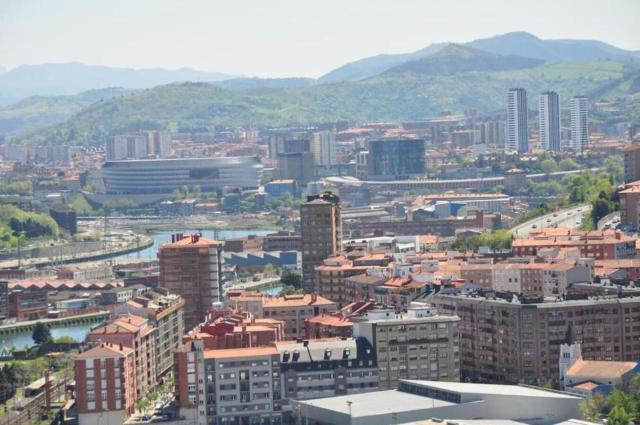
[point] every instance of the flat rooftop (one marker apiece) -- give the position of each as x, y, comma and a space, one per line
490, 389
377, 403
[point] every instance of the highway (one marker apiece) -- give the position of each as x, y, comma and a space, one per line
571, 218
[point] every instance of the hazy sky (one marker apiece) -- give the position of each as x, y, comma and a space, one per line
284, 37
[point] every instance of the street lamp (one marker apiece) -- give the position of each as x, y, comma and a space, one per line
349, 403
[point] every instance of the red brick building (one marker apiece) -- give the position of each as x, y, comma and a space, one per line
237, 330
596, 244
191, 266
28, 305
136, 333
105, 384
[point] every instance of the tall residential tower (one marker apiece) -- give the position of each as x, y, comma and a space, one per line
191, 266
549, 120
517, 123
579, 123
321, 230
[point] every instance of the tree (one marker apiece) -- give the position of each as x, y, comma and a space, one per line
592, 407
548, 166
618, 416
568, 164
600, 209
269, 269
291, 279
622, 400
41, 334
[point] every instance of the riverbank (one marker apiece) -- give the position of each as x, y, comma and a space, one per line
147, 224
114, 245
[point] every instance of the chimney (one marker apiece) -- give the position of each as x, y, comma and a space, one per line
47, 388
120, 347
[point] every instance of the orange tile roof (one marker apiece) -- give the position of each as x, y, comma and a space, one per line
622, 263
632, 189
398, 281
331, 320
240, 352
295, 301
600, 369
428, 239
188, 242
587, 386
631, 148
105, 350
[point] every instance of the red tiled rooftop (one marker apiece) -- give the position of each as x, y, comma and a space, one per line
240, 352
296, 300
105, 350
608, 370
188, 241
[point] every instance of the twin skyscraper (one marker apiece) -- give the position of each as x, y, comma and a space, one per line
517, 126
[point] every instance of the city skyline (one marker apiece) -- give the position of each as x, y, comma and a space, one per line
242, 39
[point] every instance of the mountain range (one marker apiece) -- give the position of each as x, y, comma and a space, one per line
72, 78
386, 87
513, 43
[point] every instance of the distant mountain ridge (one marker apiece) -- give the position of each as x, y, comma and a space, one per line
390, 96
259, 84
74, 77
514, 43
37, 111
457, 58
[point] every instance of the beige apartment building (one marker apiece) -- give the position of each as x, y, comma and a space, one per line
537, 279
332, 275
419, 344
293, 310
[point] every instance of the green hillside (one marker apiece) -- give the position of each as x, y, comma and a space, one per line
456, 58
391, 96
41, 110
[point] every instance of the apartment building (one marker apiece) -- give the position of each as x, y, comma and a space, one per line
166, 314
544, 279
631, 163
620, 271
105, 384
579, 108
629, 209
136, 333
357, 228
295, 309
361, 286
517, 127
191, 266
400, 290
326, 367
512, 340
419, 344
237, 329
321, 233
338, 324
233, 386
597, 244
282, 241
333, 273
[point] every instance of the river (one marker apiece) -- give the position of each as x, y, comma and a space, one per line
23, 339
79, 332
163, 237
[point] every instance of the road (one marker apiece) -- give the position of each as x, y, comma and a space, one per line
571, 218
